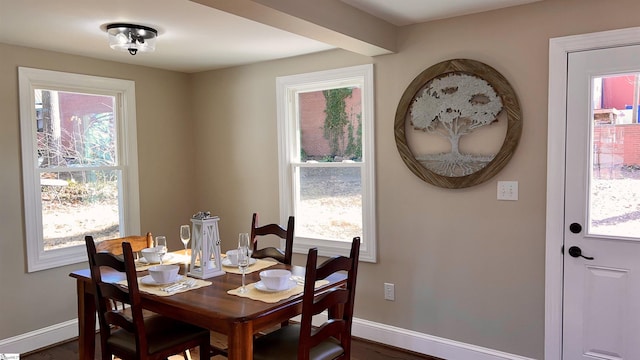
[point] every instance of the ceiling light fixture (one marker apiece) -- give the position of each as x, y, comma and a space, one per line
132, 38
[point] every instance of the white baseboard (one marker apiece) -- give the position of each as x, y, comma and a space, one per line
39, 338
365, 329
426, 344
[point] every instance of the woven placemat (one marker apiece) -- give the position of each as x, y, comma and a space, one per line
272, 297
260, 264
158, 289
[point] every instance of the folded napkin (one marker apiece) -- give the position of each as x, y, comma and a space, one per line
159, 290
273, 297
260, 264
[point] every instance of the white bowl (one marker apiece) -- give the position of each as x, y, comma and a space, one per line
163, 274
277, 279
151, 255
232, 255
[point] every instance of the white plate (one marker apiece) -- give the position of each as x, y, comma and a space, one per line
148, 280
261, 286
227, 262
166, 257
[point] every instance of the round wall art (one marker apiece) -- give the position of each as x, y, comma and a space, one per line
458, 123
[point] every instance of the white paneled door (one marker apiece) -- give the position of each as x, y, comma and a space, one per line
601, 300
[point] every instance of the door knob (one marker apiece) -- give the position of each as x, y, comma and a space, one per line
577, 252
575, 228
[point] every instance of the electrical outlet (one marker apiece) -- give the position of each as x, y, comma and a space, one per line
507, 190
389, 291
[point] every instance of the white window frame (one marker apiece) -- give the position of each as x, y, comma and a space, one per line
124, 92
287, 88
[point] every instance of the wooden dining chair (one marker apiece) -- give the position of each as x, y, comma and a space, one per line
283, 256
130, 335
114, 246
331, 340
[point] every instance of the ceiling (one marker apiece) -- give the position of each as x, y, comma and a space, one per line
203, 35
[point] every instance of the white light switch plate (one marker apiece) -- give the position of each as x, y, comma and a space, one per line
507, 190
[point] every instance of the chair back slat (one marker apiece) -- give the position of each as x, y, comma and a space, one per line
284, 256
333, 265
329, 299
271, 229
114, 246
114, 292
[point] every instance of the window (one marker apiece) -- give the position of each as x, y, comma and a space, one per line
79, 160
325, 127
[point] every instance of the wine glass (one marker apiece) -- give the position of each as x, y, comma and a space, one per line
243, 257
185, 236
161, 246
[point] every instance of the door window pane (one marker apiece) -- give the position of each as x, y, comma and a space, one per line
614, 201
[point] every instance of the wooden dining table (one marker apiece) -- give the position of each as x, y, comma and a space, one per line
209, 307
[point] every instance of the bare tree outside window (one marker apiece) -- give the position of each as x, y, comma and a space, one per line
76, 158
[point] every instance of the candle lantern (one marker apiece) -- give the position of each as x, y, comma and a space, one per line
205, 247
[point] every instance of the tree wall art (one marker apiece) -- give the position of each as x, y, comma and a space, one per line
458, 123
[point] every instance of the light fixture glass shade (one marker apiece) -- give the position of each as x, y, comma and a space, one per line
132, 38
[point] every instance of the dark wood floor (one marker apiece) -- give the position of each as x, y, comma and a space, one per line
362, 350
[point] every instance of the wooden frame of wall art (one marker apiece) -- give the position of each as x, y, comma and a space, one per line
458, 124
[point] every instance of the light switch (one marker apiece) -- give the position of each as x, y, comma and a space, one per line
507, 190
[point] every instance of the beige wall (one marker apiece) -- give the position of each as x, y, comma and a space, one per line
466, 266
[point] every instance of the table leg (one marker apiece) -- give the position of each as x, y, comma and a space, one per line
241, 341
86, 321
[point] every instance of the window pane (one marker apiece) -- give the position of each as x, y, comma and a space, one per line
75, 129
79, 203
330, 205
614, 201
331, 125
